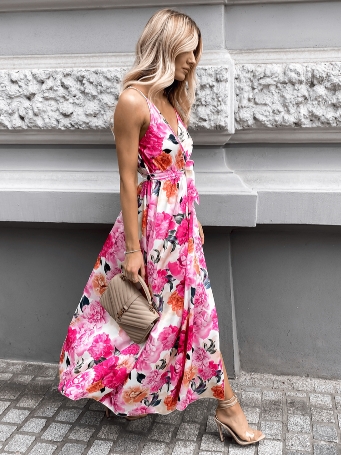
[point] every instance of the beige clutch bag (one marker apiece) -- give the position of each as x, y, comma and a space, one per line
133, 312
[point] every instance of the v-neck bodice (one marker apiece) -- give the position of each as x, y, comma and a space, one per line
161, 149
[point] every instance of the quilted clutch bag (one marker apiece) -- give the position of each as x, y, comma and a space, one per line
132, 311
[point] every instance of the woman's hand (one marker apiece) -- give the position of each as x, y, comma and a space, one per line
201, 233
131, 265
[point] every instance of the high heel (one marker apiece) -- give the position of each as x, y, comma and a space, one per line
223, 404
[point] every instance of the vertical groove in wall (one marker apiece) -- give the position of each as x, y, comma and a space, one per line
236, 358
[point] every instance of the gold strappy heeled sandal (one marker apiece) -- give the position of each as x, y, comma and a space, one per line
223, 404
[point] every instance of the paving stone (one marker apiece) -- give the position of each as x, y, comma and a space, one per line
14, 367
34, 425
273, 430
267, 447
11, 391
297, 406
338, 401
92, 418
292, 393
72, 449
326, 386
290, 452
174, 418
211, 426
4, 405
323, 432
19, 443
274, 396
161, 432
184, 448
140, 424
211, 442
251, 398
209, 453
236, 449
326, 449
298, 442
240, 450
100, 448
32, 368
82, 433
272, 413
49, 371
38, 387
48, 408
56, 431
77, 403
5, 376
109, 432
29, 401
129, 442
15, 416
43, 449
196, 411
307, 384
22, 378
252, 414
299, 424
320, 401
322, 415
97, 406
6, 431
189, 431
153, 448
68, 415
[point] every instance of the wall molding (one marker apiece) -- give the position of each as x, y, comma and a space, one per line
51, 5
81, 185
100, 136
98, 60
287, 135
80, 92
299, 55
246, 86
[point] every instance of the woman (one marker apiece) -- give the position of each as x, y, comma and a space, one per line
157, 234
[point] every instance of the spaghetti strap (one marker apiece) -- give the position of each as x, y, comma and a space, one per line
138, 91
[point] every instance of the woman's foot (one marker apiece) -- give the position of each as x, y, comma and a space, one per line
231, 416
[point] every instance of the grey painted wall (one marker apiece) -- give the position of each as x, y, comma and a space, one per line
43, 271
283, 25
287, 299
91, 31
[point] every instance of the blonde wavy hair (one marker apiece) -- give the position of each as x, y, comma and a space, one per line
167, 34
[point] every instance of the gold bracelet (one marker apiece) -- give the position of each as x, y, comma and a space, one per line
132, 251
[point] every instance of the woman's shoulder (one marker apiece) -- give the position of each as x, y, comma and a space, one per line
131, 107
131, 99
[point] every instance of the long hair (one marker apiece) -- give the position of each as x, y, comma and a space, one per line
167, 34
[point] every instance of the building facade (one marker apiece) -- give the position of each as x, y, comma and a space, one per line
266, 127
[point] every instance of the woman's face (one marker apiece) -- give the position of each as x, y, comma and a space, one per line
183, 64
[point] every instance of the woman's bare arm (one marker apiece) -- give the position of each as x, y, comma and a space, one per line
130, 117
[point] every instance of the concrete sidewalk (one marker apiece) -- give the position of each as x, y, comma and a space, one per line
298, 415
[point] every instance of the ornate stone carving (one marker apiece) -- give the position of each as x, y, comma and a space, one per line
288, 95
85, 98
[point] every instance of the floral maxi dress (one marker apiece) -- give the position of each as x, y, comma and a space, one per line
180, 361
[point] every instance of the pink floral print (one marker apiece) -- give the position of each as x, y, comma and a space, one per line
180, 361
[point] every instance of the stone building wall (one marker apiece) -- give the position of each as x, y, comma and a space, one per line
266, 129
